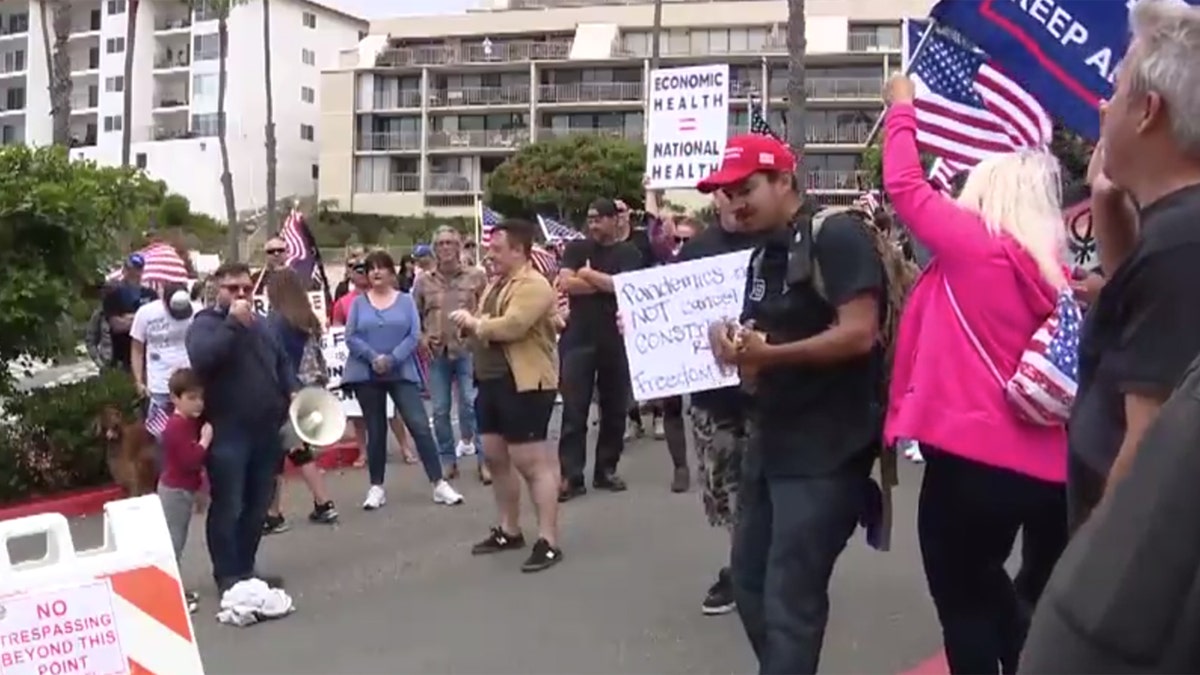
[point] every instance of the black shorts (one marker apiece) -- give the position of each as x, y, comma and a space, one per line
299, 456
517, 417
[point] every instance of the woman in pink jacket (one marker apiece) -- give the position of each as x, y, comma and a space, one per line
998, 261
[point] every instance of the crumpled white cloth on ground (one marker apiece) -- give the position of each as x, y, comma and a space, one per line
250, 601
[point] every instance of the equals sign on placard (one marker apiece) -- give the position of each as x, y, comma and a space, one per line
687, 123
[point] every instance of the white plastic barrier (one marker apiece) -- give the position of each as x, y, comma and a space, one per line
115, 610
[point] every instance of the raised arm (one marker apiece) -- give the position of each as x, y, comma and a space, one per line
531, 300
941, 225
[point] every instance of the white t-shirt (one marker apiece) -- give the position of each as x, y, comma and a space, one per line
164, 338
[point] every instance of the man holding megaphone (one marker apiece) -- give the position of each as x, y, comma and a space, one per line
516, 369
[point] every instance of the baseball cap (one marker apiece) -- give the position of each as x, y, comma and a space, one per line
136, 261
422, 250
748, 154
604, 207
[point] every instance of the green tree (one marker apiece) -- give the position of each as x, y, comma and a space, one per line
62, 225
560, 177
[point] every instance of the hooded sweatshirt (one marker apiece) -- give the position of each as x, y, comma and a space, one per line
942, 392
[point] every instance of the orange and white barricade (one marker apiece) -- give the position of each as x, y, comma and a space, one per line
115, 610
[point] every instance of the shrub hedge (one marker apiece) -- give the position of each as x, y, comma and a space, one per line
48, 444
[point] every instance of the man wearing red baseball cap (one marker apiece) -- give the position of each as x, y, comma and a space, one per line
809, 351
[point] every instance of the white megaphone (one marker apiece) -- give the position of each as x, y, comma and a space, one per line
316, 417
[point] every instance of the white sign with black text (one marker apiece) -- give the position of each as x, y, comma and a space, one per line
688, 124
666, 312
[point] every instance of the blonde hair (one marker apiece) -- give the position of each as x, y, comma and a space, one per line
1020, 194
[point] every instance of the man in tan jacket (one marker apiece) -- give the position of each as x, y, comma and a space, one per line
516, 368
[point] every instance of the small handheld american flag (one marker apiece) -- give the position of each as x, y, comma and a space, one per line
156, 418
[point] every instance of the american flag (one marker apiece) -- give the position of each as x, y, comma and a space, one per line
967, 110
555, 231
302, 254
163, 266
156, 418
1044, 385
758, 119
488, 220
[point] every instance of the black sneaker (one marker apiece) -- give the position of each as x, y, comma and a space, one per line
192, 600
719, 599
323, 513
570, 491
275, 524
542, 556
498, 540
271, 580
610, 482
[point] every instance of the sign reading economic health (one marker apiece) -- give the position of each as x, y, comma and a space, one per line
689, 122
667, 312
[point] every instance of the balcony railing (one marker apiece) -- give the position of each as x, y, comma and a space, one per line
177, 23
404, 182
547, 133
392, 99
504, 52
836, 88
772, 45
14, 28
12, 67
389, 140
449, 182
590, 92
829, 179
165, 61
856, 134
499, 139
171, 102
470, 96
871, 42
171, 133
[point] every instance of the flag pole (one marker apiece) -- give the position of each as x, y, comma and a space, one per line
916, 54
478, 228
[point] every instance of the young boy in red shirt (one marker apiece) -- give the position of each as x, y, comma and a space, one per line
185, 442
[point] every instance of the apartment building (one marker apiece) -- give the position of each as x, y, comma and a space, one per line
412, 123
174, 84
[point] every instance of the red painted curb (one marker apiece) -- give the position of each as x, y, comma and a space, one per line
934, 665
75, 503
337, 456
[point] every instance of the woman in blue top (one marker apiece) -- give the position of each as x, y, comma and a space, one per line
294, 324
382, 332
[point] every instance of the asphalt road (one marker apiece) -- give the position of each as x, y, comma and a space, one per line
397, 591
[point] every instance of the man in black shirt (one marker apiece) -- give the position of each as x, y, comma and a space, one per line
119, 302
593, 352
1144, 327
719, 418
816, 413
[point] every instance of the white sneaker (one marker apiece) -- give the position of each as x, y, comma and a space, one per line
444, 494
659, 432
375, 498
464, 449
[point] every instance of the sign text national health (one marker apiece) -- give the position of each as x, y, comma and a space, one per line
689, 121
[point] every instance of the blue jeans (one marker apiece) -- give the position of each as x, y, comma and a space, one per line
242, 463
372, 398
447, 372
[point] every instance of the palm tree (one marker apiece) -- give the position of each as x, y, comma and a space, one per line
58, 68
222, 8
131, 11
797, 97
269, 129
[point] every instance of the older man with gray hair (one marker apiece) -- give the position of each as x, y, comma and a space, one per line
448, 286
1123, 598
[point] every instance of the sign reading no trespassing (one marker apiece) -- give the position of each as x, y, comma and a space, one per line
667, 311
70, 630
689, 122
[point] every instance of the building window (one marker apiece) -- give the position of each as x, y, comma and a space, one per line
310, 20
14, 99
206, 11
113, 123
206, 47
308, 94
140, 160
8, 135
362, 35
306, 132
116, 6
114, 45
18, 23
205, 86
114, 84
14, 61
316, 172
309, 57
207, 124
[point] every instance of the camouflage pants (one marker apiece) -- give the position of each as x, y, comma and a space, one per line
720, 445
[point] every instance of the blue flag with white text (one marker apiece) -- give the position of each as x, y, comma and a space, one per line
1065, 53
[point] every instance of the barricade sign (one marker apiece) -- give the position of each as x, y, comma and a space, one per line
115, 610
333, 345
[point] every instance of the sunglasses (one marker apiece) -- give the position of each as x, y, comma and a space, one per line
682, 240
276, 251
236, 288
358, 268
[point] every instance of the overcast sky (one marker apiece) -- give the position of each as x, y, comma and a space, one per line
377, 9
